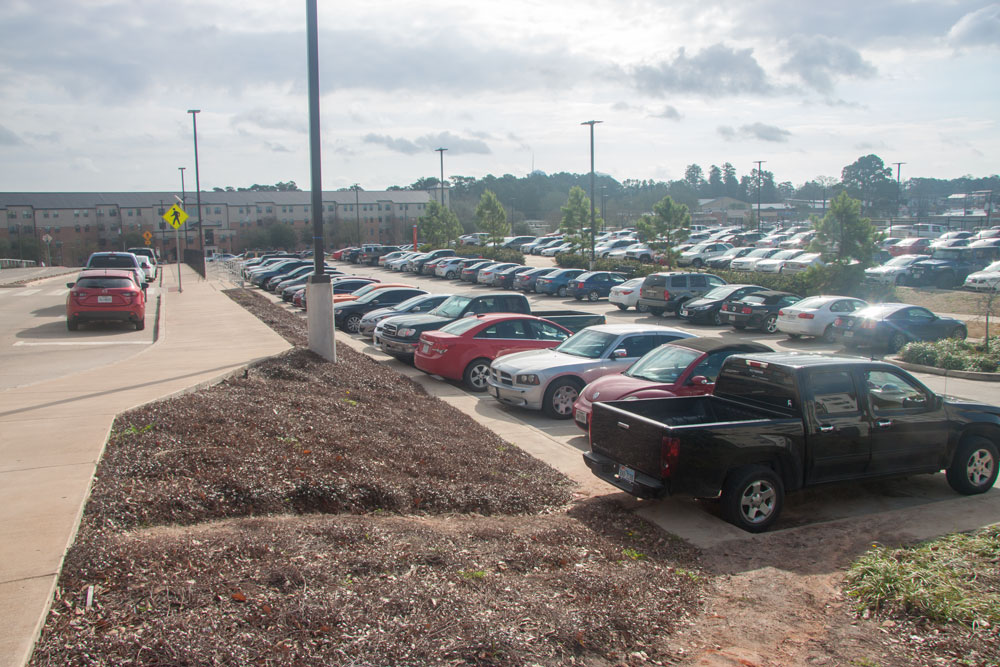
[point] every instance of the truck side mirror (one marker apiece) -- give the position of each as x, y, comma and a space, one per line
699, 379
620, 353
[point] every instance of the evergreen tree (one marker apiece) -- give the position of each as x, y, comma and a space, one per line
438, 226
492, 217
843, 228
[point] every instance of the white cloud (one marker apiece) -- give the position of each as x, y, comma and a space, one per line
758, 131
978, 28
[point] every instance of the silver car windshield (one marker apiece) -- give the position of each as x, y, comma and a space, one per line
664, 364
587, 343
452, 307
409, 303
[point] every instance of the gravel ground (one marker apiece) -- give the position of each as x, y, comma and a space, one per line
318, 514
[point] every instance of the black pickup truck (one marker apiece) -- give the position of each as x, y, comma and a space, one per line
400, 334
780, 422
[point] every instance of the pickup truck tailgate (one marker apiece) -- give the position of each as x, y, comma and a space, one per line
627, 438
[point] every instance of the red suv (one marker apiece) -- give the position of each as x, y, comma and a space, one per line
105, 294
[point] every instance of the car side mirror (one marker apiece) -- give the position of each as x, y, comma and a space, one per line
70, 285
699, 379
469, 314
620, 353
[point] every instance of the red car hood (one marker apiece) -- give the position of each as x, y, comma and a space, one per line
616, 387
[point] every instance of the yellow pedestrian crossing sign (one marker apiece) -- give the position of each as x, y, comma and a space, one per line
176, 216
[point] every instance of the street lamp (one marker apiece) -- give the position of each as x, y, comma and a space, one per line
357, 209
899, 193
197, 183
591, 123
441, 152
183, 206
758, 163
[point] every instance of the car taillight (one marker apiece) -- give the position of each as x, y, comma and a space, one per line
626, 291
839, 322
868, 324
747, 310
670, 449
666, 295
806, 316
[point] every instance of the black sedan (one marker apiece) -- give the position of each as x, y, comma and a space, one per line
705, 309
758, 310
893, 325
347, 315
723, 261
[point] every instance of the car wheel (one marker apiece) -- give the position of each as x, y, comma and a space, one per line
562, 291
658, 312
72, 324
901, 280
974, 467
578, 297
794, 336
352, 324
828, 334
945, 281
621, 306
717, 319
770, 325
593, 295
958, 333
559, 398
476, 374
450, 275
897, 341
642, 308
697, 263
752, 498
140, 324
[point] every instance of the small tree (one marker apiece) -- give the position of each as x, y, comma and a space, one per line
575, 215
492, 217
669, 225
844, 228
438, 226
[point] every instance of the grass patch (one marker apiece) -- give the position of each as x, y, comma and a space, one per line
954, 579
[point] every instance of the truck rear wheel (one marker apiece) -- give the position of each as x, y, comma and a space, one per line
974, 468
752, 498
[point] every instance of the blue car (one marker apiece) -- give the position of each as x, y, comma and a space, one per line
893, 325
556, 282
594, 284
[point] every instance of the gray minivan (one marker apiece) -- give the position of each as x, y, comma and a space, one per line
665, 292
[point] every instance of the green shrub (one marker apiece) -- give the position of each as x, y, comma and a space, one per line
629, 267
925, 354
956, 355
981, 363
489, 252
951, 361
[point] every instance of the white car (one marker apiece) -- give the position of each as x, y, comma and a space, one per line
986, 280
815, 315
552, 251
147, 268
626, 295
776, 262
894, 272
550, 380
449, 268
749, 262
701, 253
803, 262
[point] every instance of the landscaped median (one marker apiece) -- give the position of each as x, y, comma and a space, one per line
972, 360
331, 514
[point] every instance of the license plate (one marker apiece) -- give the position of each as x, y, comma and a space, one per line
581, 416
848, 334
104, 299
626, 474
427, 348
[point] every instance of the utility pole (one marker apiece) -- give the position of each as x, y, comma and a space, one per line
183, 206
441, 151
197, 183
899, 193
591, 123
758, 163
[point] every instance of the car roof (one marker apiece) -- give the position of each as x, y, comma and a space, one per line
106, 273
619, 329
810, 360
710, 344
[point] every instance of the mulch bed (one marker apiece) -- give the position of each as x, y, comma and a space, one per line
334, 514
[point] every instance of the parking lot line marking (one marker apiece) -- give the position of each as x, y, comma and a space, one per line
21, 343
58, 292
26, 292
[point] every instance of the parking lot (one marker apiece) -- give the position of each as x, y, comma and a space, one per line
924, 505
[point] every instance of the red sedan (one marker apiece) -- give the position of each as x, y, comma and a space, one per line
105, 294
463, 349
685, 367
913, 245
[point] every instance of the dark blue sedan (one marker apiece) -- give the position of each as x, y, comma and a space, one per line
893, 325
592, 285
556, 282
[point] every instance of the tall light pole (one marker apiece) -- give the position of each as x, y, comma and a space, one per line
604, 207
441, 151
197, 182
591, 123
899, 193
758, 163
183, 206
357, 209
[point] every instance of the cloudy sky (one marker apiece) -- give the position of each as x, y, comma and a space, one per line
94, 93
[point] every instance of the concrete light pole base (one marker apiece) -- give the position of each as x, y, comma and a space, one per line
320, 322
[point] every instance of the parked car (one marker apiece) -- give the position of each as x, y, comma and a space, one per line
669, 291
605, 248
779, 422
592, 285
556, 282
417, 304
776, 262
105, 295
893, 325
526, 281
288, 288
417, 263
724, 260
700, 254
948, 267
471, 272
913, 245
803, 262
626, 295
544, 243
758, 310
148, 252
551, 380
749, 261
556, 249
986, 280
622, 253
814, 316
347, 314
948, 243
516, 242
125, 261
705, 309
505, 279
894, 272
449, 267
148, 268
464, 349
684, 367
342, 298
485, 275
640, 252
798, 241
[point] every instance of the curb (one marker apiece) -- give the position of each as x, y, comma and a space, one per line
964, 375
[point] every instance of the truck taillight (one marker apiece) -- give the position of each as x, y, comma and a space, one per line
666, 295
670, 449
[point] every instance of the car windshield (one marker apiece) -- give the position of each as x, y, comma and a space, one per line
992, 268
901, 261
112, 262
759, 252
587, 343
103, 283
361, 291
732, 252
409, 303
635, 282
664, 364
368, 295
452, 307
947, 253
459, 327
811, 303
720, 292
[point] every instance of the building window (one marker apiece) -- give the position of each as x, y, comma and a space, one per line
45, 214
77, 228
11, 214
130, 213
218, 210
86, 214
76, 214
55, 214
112, 212
268, 209
305, 209
26, 214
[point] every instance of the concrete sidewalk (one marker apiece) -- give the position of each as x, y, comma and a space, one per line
52, 435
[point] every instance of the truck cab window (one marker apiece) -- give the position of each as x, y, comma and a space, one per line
890, 392
833, 393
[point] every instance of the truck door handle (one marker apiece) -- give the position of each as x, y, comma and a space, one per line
825, 429
623, 425
883, 423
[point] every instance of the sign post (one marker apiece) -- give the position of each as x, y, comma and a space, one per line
175, 217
